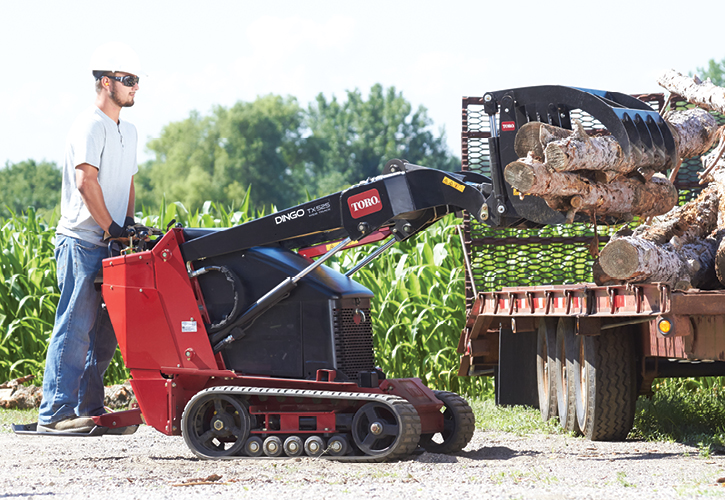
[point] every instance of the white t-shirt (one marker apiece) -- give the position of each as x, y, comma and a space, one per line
111, 147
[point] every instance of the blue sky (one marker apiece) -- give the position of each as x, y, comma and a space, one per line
199, 54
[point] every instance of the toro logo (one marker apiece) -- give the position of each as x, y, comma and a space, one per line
507, 126
289, 216
365, 203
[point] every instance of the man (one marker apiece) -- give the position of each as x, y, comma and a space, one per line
97, 196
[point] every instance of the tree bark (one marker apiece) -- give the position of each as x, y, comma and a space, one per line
623, 197
703, 94
679, 248
694, 130
636, 260
533, 137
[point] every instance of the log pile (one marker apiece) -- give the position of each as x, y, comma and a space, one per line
580, 172
683, 247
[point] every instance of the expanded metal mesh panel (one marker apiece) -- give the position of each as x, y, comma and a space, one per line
527, 257
353, 340
553, 255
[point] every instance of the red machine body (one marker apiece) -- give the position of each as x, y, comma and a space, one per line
179, 357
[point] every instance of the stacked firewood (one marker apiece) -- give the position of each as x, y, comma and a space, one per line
578, 171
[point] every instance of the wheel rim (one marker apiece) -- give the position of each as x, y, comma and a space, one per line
215, 425
562, 374
544, 360
375, 428
584, 387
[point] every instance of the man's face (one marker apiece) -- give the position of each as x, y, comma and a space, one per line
121, 95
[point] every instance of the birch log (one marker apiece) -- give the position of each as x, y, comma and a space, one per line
703, 94
694, 130
677, 248
637, 260
621, 198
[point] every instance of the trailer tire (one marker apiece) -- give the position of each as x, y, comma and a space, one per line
546, 368
605, 385
565, 355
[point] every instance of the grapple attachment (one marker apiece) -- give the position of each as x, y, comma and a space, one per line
640, 131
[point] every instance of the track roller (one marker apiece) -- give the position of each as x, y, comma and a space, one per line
337, 446
458, 425
314, 446
272, 446
293, 446
253, 447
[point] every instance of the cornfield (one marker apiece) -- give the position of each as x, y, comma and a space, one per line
418, 308
28, 294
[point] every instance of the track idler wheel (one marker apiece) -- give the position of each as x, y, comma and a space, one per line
375, 429
458, 425
215, 425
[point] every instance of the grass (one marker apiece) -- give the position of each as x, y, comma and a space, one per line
690, 411
520, 420
8, 417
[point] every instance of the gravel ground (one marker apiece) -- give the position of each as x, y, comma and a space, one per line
150, 465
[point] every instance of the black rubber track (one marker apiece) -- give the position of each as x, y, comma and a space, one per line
606, 405
459, 425
407, 416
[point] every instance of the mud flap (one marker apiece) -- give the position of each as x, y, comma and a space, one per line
516, 376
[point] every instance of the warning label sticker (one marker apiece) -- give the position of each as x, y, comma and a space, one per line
188, 326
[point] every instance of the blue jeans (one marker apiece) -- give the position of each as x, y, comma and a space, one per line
83, 341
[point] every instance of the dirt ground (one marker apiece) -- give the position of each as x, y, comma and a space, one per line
150, 465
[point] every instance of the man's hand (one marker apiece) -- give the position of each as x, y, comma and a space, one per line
116, 231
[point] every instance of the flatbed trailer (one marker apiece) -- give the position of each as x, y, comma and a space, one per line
549, 337
585, 352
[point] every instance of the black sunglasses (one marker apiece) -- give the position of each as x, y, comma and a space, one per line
127, 81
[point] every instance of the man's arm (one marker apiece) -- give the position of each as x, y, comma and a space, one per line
131, 200
92, 194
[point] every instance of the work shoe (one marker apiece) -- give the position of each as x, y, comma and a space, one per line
71, 424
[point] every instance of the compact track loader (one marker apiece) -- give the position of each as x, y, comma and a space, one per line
241, 342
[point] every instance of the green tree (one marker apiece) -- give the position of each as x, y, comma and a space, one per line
352, 140
284, 152
29, 183
218, 156
715, 71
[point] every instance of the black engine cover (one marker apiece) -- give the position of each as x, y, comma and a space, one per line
323, 324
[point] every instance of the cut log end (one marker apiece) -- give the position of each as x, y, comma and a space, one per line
527, 140
621, 260
556, 157
520, 176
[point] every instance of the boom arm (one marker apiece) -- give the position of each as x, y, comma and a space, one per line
407, 199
